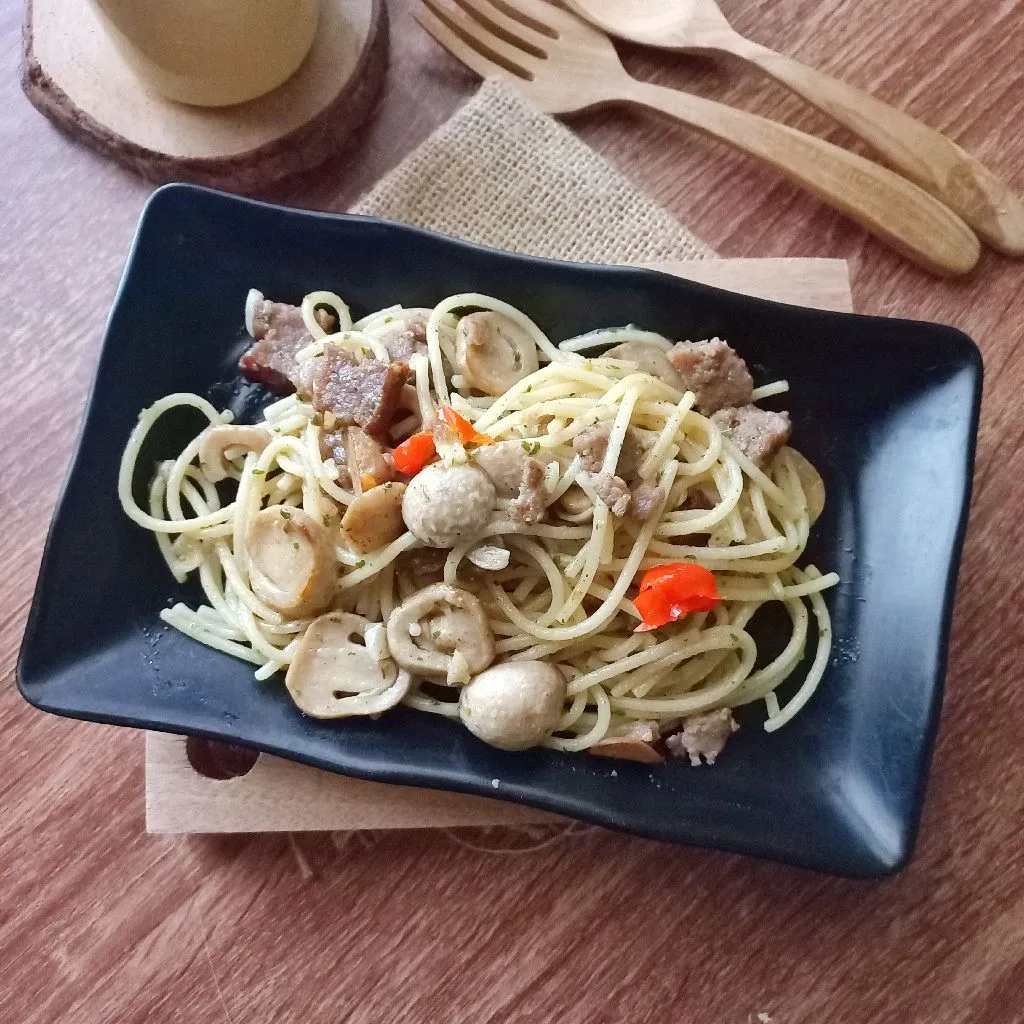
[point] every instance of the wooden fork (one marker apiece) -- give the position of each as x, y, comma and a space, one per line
565, 65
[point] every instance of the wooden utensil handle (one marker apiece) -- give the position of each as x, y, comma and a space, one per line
922, 154
894, 209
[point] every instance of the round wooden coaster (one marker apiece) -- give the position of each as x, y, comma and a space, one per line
73, 73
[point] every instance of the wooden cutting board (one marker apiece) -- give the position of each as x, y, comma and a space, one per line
281, 796
74, 74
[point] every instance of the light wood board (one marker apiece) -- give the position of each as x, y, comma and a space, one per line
74, 74
281, 796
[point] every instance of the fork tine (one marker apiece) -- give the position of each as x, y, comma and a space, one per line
494, 51
541, 16
448, 40
512, 30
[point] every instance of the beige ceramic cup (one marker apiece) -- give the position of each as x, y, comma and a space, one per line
212, 53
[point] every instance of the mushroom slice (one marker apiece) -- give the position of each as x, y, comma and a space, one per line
504, 463
493, 352
575, 505
374, 519
365, 460
649, 359
634, 742
217, 440
291, 561
515, 705
810, 480
429, 627
335, 675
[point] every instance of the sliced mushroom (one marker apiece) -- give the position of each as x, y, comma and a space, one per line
218, 440
810, 480
426, 630
575, 505
374, 519
364, 459
493, 352
515, 705
633, 742
334, 674
649, 359
291, 561
444, 505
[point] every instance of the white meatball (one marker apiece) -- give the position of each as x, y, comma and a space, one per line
444, 505
514, 705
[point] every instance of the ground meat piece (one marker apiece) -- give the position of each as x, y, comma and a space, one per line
280, 333
529, 507
758, 433
713, 372
703, 736
613, 491
645, 499
365, 394
592, 444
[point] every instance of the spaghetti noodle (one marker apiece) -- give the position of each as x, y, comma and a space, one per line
557, 586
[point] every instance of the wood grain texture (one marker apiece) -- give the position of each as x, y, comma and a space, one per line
279, 796
918, 152
580, 70
74, 74
101, 923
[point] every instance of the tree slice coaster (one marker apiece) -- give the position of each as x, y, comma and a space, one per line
73, 73
224, 790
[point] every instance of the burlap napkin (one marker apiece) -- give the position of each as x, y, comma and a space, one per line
503, 174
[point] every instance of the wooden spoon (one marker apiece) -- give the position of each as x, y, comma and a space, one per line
565, 65
924, 155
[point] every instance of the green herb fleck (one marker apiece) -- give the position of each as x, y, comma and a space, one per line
258, 472
325, 519
529, 388
388, 319
285, 514
531, 447
295, 544
360, 563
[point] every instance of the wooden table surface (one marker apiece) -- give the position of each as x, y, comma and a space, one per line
100, 922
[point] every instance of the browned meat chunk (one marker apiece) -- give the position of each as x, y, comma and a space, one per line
403, 343
713, 372
758, 433
529, 507
634, 742
645, 499
613, 491
279, 333
591, 445
364, 394
702, 736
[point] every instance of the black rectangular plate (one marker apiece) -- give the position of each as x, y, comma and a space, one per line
887, 410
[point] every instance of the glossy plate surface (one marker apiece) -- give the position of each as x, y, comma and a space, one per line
886, 409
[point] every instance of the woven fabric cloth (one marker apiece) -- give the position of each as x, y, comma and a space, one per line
501, 173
